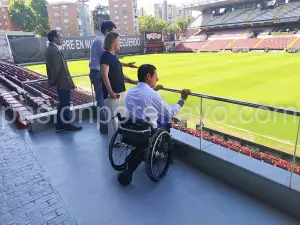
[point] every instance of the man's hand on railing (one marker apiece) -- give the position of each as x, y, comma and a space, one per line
158, 87
185, 93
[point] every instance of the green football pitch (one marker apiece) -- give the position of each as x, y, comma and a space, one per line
269, 79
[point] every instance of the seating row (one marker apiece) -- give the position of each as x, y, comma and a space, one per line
15, 75
278, 43
16, 110
237, 147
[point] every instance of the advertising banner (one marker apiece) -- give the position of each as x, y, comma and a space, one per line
32, 49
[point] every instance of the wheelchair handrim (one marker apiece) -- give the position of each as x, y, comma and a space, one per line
168, 159
118, 167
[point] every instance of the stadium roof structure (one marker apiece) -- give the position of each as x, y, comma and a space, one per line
200, 5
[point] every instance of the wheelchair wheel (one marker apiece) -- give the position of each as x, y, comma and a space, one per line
124, 178
117, 155
159, 151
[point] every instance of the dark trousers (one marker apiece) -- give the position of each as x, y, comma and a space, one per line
96, 80
63, 110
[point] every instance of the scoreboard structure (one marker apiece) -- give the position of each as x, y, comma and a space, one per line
154, 42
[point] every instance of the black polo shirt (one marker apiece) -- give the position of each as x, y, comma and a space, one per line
115, 73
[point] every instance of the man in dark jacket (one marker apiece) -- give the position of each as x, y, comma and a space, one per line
60, 78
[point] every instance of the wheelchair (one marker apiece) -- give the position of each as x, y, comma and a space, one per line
140, 142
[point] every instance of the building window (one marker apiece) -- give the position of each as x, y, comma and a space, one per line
3, 9
55, 7
124, 5
58, 28
124, 11
65, 14
125, 17
68, 28
116, 11
116, 6
56, 14
125, 22
4, 16
117, 17
66, 21
117, 22
64, 6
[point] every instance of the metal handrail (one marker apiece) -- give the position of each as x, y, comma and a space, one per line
46, 79
239, 102
199, 95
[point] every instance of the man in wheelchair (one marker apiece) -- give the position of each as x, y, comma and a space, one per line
144, 102
146, 128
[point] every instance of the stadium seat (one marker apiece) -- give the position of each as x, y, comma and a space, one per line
216, 45
245, 43
275, 43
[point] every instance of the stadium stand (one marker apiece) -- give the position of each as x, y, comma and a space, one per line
37, 95
259, 25
275, 43
237, 147
216, 45
245, 43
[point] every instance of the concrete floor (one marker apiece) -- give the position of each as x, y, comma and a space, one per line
78, 167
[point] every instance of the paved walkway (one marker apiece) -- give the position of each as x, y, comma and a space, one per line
26, 194
76, 177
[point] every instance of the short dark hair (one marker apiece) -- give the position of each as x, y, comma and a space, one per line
51, 35
107, 26
144, 70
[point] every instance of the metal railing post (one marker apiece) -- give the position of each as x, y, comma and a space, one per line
201, 122
294, 156
93, 94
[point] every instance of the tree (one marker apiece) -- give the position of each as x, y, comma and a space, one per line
39, 9
173, 29
183, 24
150, 23
31, 17
100, 13
161, 25
22, 15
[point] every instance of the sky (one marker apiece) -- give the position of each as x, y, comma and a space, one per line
148, 5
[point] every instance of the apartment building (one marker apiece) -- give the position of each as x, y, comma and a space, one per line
142, 12
170, 12
124, 14
70, 18
64, 17
158, 11
5, 21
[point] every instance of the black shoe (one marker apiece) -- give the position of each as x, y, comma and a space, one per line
69, 128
